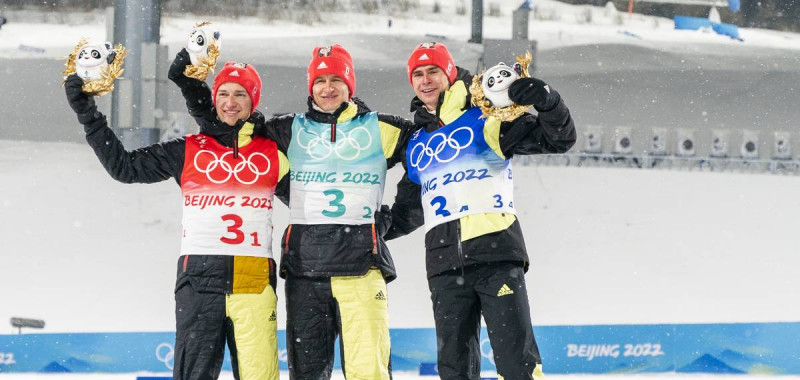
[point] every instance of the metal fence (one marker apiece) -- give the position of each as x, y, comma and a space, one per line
664, 162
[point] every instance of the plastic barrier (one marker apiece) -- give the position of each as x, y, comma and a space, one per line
729, 30
692, 23
697, 23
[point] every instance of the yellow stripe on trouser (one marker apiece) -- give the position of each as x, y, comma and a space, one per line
255, 334
364, 315
537, 373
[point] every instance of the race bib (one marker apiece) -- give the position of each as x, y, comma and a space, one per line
227, 201
338, 171
458, 172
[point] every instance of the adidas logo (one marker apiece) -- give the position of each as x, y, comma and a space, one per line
380, 296
504, 291
235, 74
322, 65
424, 57
273, 317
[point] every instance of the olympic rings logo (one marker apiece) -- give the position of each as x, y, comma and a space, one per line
423, 154
488, 354
251, 163
165, 354
347, 146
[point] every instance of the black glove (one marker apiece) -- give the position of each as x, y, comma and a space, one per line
177, 68
532, 91
383, 220
82, 104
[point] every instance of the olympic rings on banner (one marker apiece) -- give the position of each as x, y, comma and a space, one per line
165, 354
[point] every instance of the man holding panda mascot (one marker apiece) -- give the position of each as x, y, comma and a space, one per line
458, 184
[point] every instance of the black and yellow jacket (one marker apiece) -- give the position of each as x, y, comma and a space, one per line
478, 238
159, 162
323, 250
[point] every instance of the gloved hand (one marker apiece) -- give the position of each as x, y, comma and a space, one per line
177, 68
532, 91
83, 105
383, 220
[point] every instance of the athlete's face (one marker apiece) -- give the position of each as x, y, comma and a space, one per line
233, 103
428, 82
329, 92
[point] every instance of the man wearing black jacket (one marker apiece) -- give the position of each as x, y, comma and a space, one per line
334, 258
459, 185
225, 287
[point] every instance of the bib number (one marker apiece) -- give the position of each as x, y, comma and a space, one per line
337, 208
336, 203
238, 235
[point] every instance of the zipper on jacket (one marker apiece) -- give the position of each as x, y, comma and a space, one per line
460, 252
333, 132
374, 240
229, 285
288, 233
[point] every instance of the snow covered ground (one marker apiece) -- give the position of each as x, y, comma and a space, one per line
609, 246
553, 24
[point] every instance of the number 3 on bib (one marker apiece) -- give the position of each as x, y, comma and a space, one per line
335, 203
235, 229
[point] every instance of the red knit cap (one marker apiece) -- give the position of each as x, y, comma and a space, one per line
432, 53
332, 60
243, 74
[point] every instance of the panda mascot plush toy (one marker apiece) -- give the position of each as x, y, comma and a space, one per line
489, 89
99, 65
496, 82
93, 59
200, 40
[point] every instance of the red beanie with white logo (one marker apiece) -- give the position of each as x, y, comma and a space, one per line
432, 53
332, 60
243, 74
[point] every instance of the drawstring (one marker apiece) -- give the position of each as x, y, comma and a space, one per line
236, 146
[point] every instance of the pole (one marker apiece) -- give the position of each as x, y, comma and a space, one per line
477, 22
630, 8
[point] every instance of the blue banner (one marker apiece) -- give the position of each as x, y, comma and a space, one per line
762, 348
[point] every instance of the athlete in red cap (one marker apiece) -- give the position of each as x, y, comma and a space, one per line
475, 252
225, 290
334, 258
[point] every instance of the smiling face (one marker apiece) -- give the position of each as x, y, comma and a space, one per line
428, 82
329, 92
233, 103
496, 82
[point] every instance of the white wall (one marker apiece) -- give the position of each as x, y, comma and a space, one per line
87, 253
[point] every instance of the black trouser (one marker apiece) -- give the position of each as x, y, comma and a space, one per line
496, 290
205, 321
354, 308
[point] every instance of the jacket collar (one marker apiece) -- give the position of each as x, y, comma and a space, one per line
451, 104
228, 135
346, 111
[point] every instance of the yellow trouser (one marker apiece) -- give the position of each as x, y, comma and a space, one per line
255, 326
364, 316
